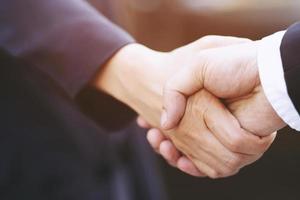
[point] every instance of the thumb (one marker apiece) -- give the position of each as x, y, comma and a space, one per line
174, 108
188, 80
180, 86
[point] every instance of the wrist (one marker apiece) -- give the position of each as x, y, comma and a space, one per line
134, 76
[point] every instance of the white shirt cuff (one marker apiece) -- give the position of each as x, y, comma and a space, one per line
272, 79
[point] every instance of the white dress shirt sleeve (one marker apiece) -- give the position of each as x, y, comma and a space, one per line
272, 79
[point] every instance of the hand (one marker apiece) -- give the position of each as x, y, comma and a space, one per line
229, 73
136, 76
202, 146
163, 146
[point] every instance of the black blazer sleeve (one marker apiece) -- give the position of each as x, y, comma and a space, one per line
68, 40
290, 54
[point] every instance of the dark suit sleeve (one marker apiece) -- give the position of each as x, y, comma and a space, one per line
68, 40
290, 54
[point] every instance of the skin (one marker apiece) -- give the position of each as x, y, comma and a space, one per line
230, 73
202, 144
208, 133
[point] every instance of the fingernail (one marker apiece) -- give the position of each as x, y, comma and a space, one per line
164, 119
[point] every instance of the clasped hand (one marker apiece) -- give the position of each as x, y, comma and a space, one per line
215, 118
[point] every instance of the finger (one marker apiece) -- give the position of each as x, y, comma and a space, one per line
188, 167
183, 84
143, 123
169, 152
215, 165
209, 171
229, 132
183, 163
174, 108
197, 142
221, 160
208, 155
155, 138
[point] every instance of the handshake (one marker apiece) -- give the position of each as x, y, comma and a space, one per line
204, 103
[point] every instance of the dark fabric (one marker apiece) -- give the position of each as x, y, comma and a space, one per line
50, 150
68, 40
290, 54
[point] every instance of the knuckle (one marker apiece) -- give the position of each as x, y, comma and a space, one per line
235, 162
236, 143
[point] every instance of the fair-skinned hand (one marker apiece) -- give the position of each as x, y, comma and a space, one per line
229, 73
201, 145
237, 142
136, 76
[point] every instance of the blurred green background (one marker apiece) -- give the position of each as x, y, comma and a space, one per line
167, 24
